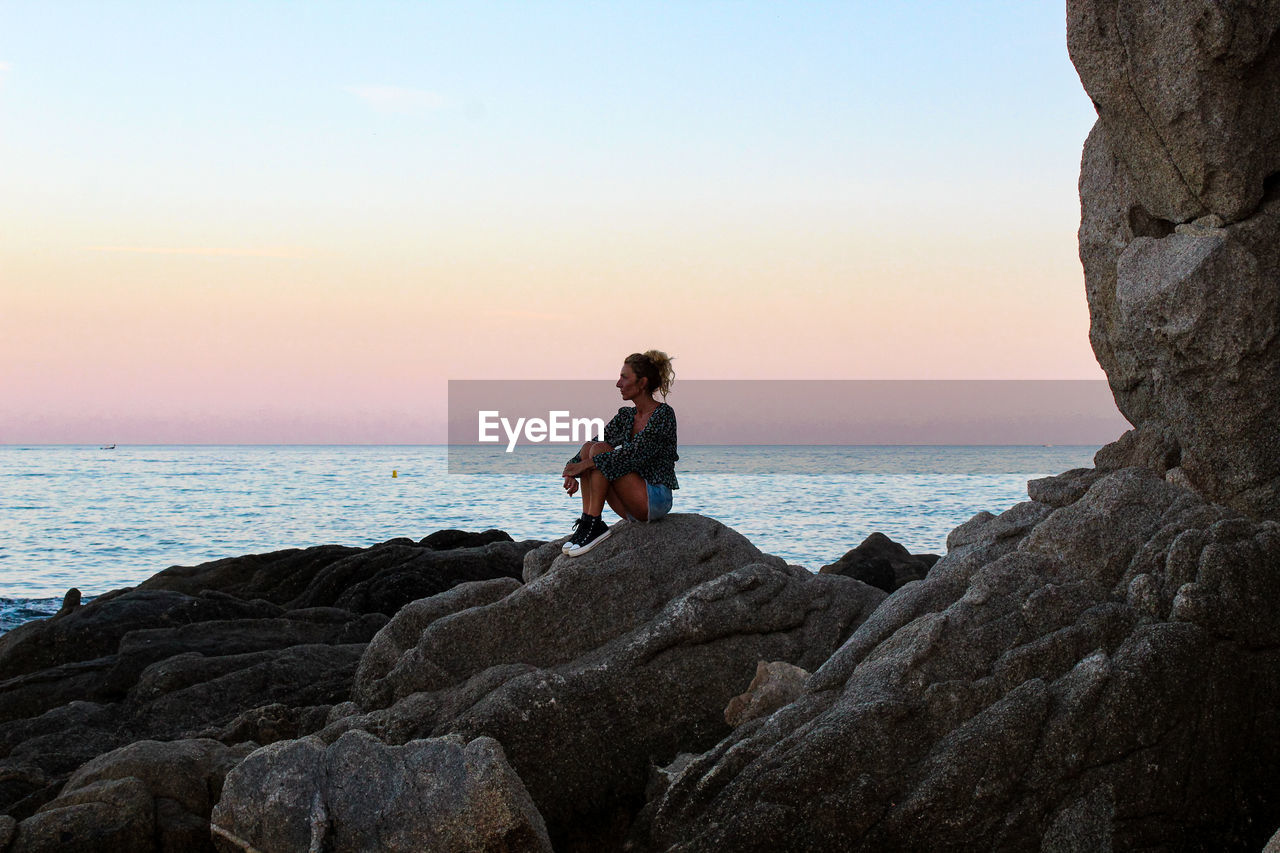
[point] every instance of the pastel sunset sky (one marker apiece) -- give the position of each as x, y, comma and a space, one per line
294, 222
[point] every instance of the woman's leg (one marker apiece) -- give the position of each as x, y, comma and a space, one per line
626, 495
629, 495
594, 485
621, 494
584, 482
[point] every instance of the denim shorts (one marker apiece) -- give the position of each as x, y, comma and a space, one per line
659, 502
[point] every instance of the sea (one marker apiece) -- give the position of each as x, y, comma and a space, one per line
100, 518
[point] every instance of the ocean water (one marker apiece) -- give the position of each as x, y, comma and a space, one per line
102, 519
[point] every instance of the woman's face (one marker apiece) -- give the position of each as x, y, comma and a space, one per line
628, 384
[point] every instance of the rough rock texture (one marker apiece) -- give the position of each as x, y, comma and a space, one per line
776, 684
601, 665
1188, 92
359, 794
249, 649
381, 579
145, 796
883, 563
1101, 673
1180, 215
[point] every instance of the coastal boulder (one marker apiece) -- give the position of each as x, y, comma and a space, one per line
882, 563
776, 684
148, 796
603, 665
1105, 670
116, 815
190, 692
379, 579
1187, 93
242, 649
94, 630
1179, 233
359, 794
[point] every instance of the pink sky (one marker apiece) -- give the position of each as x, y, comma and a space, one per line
256, 238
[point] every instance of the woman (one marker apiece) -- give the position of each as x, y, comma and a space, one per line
633, 469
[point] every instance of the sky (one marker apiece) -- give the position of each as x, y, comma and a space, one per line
266, 222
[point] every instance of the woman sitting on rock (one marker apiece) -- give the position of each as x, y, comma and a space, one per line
633, 469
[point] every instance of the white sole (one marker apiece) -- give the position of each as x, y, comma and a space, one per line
582, 549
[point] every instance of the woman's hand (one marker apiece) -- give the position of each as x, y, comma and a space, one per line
571, 486
576, 469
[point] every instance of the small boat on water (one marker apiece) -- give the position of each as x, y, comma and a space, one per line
107, 447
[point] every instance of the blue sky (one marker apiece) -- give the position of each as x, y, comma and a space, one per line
255, 208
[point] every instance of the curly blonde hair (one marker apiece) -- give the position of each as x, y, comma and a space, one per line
654, 366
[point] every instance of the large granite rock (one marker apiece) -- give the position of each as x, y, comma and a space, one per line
249, 649
379, 579
1180, 229
600, 666
359, 795
143, 797
776, 684
1102, 675
883, 563
1187, 91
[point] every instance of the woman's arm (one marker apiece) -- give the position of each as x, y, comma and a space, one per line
614, 432
577, 469
656, 440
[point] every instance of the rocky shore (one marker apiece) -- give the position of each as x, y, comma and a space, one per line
461, 692
1094, 669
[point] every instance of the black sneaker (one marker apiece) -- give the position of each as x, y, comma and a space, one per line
580, 528
596, 533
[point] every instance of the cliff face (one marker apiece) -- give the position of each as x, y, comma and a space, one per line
1180, 215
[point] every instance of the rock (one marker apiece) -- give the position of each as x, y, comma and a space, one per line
1066, 488
1199, 313
359, 794
446, 540
270, 723
602, 664
775, 684
110, 678
70, 601
225, 637
1149, 446
211, 651
1094, 680
188, 693
1186, 91
379, 579
36, 692
1273, 846
40, 752
1180, 220
405, 630
160, 794
882, 563
118, 815
94, 630
660, 777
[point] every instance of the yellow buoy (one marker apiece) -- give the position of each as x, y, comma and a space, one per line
393, 473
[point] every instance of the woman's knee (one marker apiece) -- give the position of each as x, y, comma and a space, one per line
591, 448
